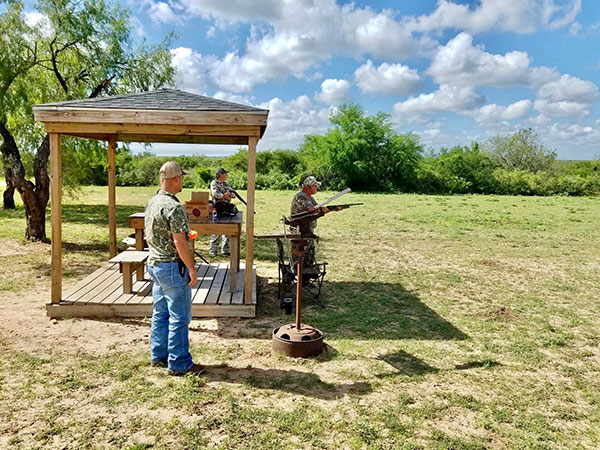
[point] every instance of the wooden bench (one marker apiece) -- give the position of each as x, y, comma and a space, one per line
130, 261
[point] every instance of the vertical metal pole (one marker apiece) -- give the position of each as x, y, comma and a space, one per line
299, 290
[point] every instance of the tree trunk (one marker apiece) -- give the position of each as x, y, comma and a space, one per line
8, 196
35, 196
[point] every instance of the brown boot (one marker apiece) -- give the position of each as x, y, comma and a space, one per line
158, 363
196, 369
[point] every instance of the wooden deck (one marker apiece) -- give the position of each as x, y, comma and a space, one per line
101, 295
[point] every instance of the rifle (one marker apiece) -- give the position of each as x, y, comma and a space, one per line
303, 219
234, 192
318, 211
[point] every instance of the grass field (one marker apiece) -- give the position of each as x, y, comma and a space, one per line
452, 322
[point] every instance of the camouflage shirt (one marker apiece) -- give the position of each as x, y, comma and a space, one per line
164, 217
301, 202
218, 189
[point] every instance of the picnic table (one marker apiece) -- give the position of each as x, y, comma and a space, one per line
230, 226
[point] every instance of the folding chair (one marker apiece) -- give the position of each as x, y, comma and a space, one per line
313, 275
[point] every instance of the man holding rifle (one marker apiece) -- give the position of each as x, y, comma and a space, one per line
304, 202
221, 194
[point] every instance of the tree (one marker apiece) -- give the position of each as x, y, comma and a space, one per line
520, 151
80, 49
458, 170
363, 152
17, 56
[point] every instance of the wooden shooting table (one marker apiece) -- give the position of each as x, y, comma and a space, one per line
230, 226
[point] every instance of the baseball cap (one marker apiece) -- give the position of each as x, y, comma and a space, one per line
311, 181
221, 170
171, 169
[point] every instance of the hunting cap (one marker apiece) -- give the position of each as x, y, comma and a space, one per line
221, 171
171, 169
311, 181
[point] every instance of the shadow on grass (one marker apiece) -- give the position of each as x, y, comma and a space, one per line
82, 214
293, 381
364, 310
98, 214
265, 249
405, 364
485, 364
85, 247
353, 310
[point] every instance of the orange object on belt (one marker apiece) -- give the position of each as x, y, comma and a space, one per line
193, 234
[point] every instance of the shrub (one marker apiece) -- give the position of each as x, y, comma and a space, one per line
238, 179
362, 152
515, 182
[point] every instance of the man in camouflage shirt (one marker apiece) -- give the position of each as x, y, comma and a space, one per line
304, 201
220, 192
172, 269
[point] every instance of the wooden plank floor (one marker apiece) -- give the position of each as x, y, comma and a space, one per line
100, 294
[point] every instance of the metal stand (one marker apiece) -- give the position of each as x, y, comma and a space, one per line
298, 340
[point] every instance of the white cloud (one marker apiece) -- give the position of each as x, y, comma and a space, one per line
161, 12
137, 26
292, 37
446, 98
570, 89
517, 110
39, 22
227, 96
432, 132
373, 29
557, 14
33, 18
387, 79
236, 10
333, 92
290, 121
573, 141
568, 132
492, 113
539, 76
575, 29
461, 63
190, 66
562, 109
519, 16
567, 96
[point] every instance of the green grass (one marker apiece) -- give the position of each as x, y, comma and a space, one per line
453, 322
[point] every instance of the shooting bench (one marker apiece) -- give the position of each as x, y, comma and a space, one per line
312, 274
231, 226
130, 261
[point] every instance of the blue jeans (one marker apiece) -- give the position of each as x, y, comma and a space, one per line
171, 316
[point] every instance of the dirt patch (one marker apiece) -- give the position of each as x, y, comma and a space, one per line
504, 313
12, 247
25, 326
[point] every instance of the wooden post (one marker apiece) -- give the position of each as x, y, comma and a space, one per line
56, 218
252, 141
112, 211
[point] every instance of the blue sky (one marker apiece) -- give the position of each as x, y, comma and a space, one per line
451, 71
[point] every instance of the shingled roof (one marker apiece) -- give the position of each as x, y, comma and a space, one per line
164, 99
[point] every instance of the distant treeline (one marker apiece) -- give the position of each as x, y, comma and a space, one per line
365, 153
459, 170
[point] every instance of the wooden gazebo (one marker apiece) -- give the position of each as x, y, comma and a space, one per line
167, 115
